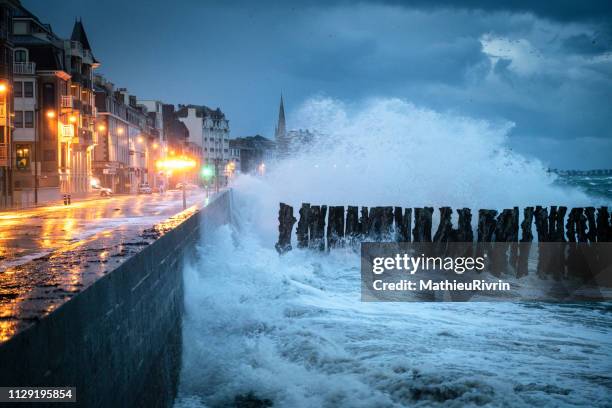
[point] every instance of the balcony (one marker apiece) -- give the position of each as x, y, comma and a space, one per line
24, 68
67, 131
67, 101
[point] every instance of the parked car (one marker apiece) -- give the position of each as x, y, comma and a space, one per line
104, 191
144, 188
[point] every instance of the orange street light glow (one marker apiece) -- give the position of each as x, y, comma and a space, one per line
50, 114
72, 119
155, 145
120, 131
140, 139
182, 163
3, 88
101, 128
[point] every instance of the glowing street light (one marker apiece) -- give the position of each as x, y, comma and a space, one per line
101, 128
72, 119
178, 164
50, 114
3, 87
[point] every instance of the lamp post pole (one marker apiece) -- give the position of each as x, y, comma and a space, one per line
184, 194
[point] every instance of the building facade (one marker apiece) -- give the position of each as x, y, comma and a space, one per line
128, 143
210, 129
255, 153
7, 10
54, 117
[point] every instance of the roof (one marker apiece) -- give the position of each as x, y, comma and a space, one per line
201, 111
78, 34
256, 142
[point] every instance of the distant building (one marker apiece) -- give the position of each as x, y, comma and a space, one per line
255, 153
128, 144
178, 142
209, 129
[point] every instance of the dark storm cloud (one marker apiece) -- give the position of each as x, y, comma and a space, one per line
559, 10
545, 66
597, 43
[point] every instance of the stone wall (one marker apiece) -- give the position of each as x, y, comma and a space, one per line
118, 342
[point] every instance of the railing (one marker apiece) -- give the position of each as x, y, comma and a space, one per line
24, 68
67, 101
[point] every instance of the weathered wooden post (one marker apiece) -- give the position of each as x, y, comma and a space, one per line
486, 225
316, 228
522, 267
376, 215
285, 227
386, 223
604, 229
464, 232
506, 233
302, 227
556, 233
335, 227
444, 233
365, 223
352, 228
592, 225
422, 224
403, 223
541, 223
576, 227
485, 232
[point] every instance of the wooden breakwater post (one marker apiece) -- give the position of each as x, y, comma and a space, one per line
321, 227
285, 228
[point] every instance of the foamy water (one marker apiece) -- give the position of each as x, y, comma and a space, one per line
291, 331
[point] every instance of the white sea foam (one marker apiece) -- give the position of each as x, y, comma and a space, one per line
292, 329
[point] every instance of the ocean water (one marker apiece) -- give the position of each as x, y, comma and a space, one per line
290, 331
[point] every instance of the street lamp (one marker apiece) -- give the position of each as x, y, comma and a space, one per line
181, 164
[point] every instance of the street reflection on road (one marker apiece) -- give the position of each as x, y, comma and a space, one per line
31, 233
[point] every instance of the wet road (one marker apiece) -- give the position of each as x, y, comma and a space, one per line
32, 233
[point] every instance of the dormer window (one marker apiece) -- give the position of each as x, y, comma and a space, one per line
20, 27
21, 56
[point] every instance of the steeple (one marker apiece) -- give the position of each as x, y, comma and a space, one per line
281, 129
280, 132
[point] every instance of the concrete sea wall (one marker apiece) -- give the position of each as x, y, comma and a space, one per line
119, 341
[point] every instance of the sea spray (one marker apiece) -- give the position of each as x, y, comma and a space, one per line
292, 330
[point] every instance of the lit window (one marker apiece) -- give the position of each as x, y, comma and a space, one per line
22, 154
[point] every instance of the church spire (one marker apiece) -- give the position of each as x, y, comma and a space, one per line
281, 129
280, 133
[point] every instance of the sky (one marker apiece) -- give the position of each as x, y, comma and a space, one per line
545, 67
